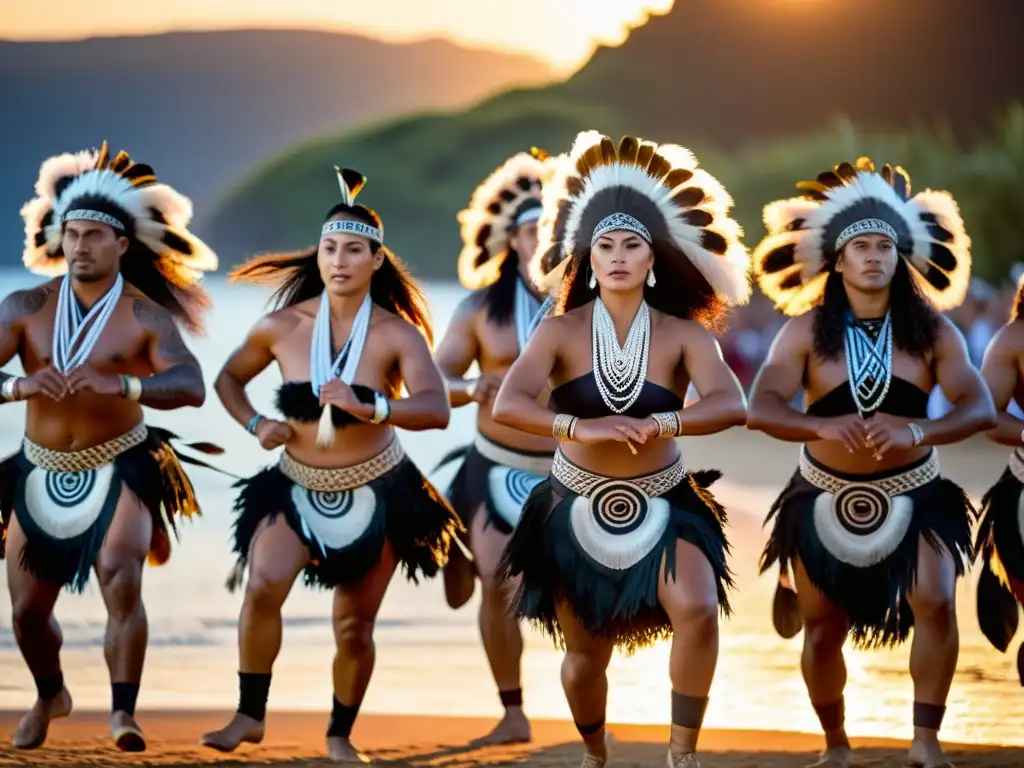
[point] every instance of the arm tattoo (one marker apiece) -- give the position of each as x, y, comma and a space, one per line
22, 304
182, 383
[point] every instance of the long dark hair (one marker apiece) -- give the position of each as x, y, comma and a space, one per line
167, 284
915, 323
500, 296
680, 289
298, 276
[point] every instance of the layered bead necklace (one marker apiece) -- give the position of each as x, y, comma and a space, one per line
620, 372
75, 334
869, 361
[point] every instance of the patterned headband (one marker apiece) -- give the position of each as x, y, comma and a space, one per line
86, 214
620, 221
352, 227
865, 227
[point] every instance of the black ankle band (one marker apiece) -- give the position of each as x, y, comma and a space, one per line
688, 711
48, 687
123, 697
832, 715
513, 698
928, 715
253, 692
343, 717
589, 730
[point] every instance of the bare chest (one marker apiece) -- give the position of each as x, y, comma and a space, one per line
377, 361
499, 346
120, 346
823, 376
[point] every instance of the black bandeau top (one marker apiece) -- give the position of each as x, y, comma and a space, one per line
580, 397
296, 401
903, 399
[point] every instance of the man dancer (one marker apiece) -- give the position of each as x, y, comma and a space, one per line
1000, 541
87, 487
491, 327
876, 537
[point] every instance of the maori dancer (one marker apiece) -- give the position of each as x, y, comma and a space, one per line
1000, 540
620, 546
92, 487
876, 537
501, 467
343, 504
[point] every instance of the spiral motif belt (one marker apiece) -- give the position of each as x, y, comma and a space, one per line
508, 457
617, 521
862, 522
87, 459
332, 480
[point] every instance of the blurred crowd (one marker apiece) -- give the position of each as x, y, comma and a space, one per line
753, 327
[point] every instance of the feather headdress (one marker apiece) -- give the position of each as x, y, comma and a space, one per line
92, 185
508, 197
655, 190
807, 233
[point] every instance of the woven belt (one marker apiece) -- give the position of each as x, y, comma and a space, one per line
1016, 465
333, 480
86, 459
583, 483
892, 486
524, 462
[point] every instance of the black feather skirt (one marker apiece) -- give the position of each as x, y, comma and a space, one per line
857, 537
500, 489
1000, 547
582, 551
65, 515
345, 530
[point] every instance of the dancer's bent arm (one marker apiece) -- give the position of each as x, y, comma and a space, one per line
247, 362
1001, 370
456, 352
426, 407
721, 403
46, 381
177, 379
961, 384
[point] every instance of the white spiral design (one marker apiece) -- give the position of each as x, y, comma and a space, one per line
861, 525
862, 509
618, 507
509, 489
618, 525
69, 489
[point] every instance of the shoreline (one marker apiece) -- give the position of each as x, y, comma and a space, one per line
297, 739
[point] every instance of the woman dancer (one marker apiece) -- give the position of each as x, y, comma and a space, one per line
620, 546
876, 537
343, 504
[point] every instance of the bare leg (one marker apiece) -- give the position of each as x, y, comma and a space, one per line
355, 612
499, 630
585, 680
119, 572
276, 557
825, 629
691, 601
934, 651
39, 639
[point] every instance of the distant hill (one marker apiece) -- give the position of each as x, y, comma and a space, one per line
720, 76
205, 107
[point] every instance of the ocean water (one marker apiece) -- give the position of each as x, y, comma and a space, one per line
429, 658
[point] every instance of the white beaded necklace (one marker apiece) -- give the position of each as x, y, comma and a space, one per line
74, 336
322, 370
868, 364
620, 372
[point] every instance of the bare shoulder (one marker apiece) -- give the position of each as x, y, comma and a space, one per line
680, 328
950, 340
25, 303
798, 332
396, 330
1009, 339
570, 321
149, 314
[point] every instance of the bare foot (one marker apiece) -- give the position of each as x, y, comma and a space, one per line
835, 757
126, 732
340, 750
514, 728
596, 755
241, 728
927, 753
31, 731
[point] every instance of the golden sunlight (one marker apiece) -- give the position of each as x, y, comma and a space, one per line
560, 32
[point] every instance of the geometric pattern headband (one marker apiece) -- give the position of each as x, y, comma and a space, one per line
620, 221
80, 214
865, 227
353, 227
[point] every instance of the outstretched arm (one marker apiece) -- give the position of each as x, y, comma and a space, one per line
963, 386
456, 353
426, 407
516, 404
177, 379
722, 404
777, 383
1001, 370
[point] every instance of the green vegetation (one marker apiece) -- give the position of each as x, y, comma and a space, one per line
422, 170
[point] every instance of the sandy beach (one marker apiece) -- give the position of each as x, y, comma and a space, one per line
296, 739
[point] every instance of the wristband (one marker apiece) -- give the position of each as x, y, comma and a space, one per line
381, 409
668, 423
253, 423
9, 389
564, 426
917, 434
131, 388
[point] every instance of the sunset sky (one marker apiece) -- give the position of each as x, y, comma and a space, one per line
562, 32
